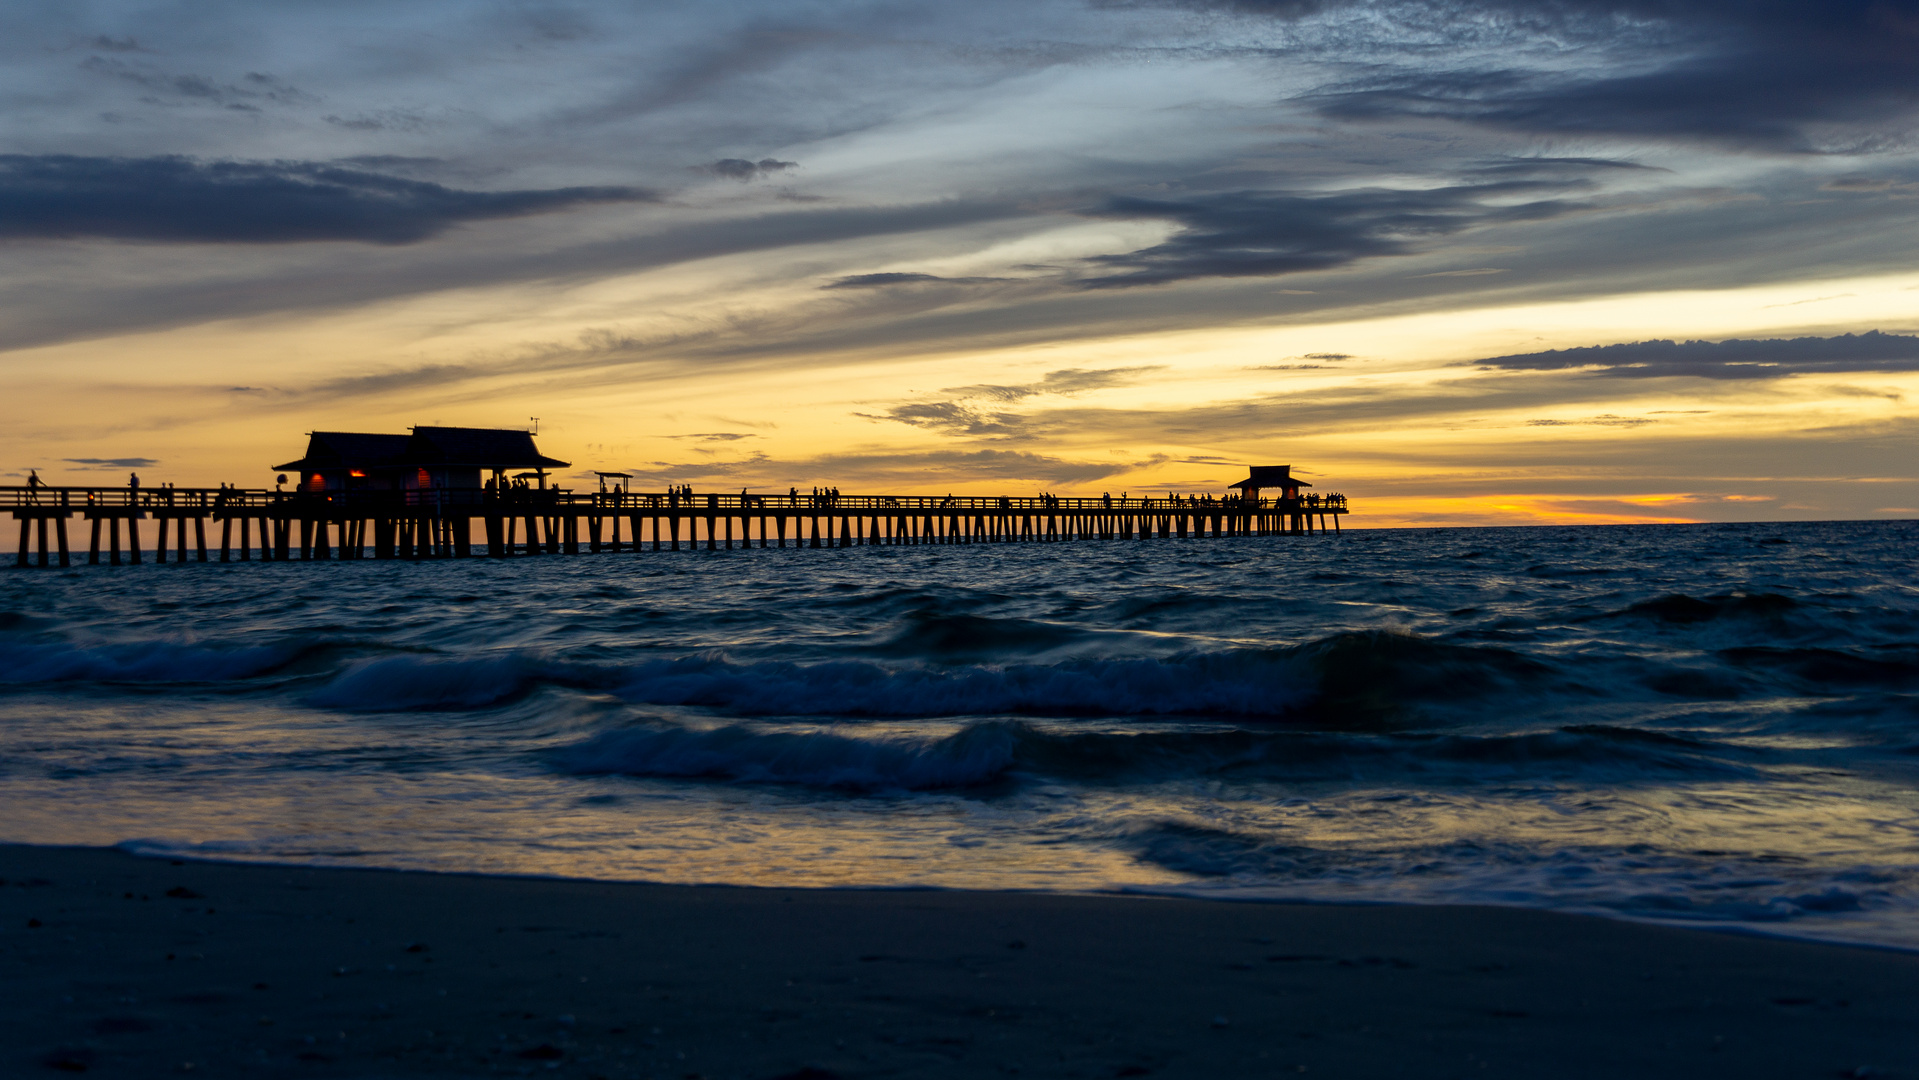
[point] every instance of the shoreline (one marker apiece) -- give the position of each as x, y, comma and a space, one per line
1757, 929
125, 965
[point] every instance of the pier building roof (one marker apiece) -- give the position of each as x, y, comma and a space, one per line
348, 449
485, 448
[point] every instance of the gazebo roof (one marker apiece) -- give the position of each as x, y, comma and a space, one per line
1271, 476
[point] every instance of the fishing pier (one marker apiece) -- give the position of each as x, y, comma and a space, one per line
228, 524
385, 497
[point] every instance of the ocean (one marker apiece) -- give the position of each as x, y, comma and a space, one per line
1714, 724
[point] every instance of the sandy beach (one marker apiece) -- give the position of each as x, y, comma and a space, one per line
122, 966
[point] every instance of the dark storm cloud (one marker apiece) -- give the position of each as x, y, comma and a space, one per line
1259, 234
743, 170
1782, 75
58, 196
1756, 359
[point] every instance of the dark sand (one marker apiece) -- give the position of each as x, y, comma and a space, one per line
225, 970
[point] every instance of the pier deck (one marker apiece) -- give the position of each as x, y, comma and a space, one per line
440, 522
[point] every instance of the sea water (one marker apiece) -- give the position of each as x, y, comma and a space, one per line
1713, 724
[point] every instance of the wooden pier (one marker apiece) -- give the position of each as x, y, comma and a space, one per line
230, 524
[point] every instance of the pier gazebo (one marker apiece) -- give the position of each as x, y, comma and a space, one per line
1278, 478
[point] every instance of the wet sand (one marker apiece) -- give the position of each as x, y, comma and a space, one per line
123, 966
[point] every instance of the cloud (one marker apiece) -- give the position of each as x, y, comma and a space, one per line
252, 89
962, 466
1738, 359
60, 196
1786, 75
1602, 420
950, 418
1259, 234
743, 170
880, 281
381, 120
1066, 382
113, 462
1506, 168
108, 43
716, 436
958, 417
883, 470
94, 303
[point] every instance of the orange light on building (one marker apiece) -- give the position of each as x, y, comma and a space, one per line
357, 474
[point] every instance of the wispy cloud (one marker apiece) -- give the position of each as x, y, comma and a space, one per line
237, 202
961, 416
743, 170
1769, 358
113, 463
883, 280
1266, 233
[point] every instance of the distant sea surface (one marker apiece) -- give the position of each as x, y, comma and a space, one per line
1710, 724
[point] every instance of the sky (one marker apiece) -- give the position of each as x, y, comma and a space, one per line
1492, 262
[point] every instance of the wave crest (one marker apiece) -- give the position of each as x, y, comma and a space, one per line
975, 755
141, 662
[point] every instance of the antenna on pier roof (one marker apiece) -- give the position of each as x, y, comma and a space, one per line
536, 424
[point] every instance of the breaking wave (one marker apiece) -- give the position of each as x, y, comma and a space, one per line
974, 755
142, 662
989, 752
1356, 680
